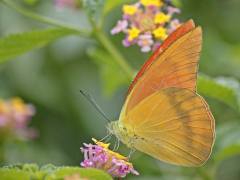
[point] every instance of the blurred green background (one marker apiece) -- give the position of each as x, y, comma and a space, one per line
50, 78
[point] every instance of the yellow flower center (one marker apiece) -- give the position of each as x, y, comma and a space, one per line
18, 105
105, 148
133, 33
146, 22
3, 107
145, 42
161, 18
157, 3
129, 9
160, 33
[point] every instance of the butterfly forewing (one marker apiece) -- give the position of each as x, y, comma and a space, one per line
183, 29
173, 126
177, 66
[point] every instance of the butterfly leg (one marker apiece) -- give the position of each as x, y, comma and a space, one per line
108, 134
108, 138
116, 145
131, 151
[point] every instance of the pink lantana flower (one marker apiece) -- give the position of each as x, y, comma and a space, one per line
155, 46
100, 157
174, 24
146, 17
127, 43
145, 41
15, 116
121, 25
172, 10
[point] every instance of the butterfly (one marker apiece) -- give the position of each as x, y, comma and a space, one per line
162, 114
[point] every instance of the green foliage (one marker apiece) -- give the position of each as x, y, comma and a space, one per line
14, 174
177, 3
110, 5
48, 172
227, 143
31, 2
16, 44
111, 75
223, 89
84, 172
93, 7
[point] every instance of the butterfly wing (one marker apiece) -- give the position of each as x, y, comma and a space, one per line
172, 125
183, 29
177, 66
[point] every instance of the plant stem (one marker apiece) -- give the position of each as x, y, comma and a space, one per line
204, 174
112, 50
82, 32
120, 60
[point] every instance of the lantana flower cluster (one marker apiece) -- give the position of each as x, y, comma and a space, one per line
100, 157
15, 116
146, 23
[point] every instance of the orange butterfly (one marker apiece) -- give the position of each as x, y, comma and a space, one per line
163, 115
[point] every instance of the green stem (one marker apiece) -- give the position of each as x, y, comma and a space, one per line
112, 50
204, 174
1, 154
120, 60
82, 32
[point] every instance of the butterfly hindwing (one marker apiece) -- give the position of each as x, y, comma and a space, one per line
173, 126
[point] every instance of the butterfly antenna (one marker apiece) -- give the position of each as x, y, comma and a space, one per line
94, 104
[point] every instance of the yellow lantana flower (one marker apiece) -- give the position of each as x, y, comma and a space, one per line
161, 18
19, 105
157, 3
160, 33
133, 33
3, 107
129, 9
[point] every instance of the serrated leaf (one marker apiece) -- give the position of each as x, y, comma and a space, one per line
14, 166
223, 89
16, 44
13, 174
111, 76
91, 173
93, 7
227, 143
31, 168
110, 5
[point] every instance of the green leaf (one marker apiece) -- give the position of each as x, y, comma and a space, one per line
13, 174
93, 7
226, 90
227, 143
110, 5
91, 173
16, 44
31, 168
17, 166
111, 76
31, 2
229, 151
177, 3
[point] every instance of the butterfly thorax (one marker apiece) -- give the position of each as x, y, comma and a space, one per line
124, 134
